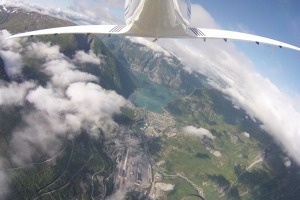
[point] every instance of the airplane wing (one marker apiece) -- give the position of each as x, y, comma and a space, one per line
125, 30
222, 34
101, 29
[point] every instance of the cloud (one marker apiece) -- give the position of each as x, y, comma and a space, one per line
13, 63
200, 132
97, 105
59, 113
66, 105
103, 11
13, 44
88, 12
63, 73
14, 93
39, 135
148, 43
40, 50
202, 17
90, 57
9, 52
71, 14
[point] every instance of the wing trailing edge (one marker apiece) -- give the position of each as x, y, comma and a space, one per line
98, 29
126, 30
225, 35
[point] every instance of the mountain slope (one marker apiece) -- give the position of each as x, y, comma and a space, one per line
65, 160
113, 75
232, 159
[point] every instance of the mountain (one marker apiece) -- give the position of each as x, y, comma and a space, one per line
114, 75
161, 66
183, 140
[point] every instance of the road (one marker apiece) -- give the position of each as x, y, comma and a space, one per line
68, 183
42, 162
198, 189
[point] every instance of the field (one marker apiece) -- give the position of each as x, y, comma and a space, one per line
245, 167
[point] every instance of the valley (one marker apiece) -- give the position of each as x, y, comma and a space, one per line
148, 153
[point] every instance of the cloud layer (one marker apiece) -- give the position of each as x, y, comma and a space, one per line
70, 102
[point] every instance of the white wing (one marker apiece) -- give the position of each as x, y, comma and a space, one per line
101, 29
222, 34
126, 30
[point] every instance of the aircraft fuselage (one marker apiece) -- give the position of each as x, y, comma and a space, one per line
157, 18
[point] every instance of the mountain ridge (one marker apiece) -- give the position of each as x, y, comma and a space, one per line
129, 67
113, 74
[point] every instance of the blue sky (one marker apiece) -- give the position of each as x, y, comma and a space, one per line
277, 19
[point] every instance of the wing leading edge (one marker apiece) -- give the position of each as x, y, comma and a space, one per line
223, 34
126, 30
100, 29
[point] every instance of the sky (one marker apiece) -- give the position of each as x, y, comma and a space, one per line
279, 19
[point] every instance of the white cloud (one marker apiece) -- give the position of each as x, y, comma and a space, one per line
118, 4
102, 11
95, 105
13, 63
40, 134
80, 12
63, 108
40, 50
63, 73
48, 100
200, 132
9, 52
287, 162
91, 57
13, 44
14, 93
72, 14
148, 43
202, 18
86, 106
56, 115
